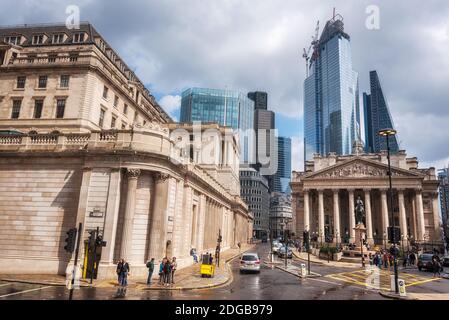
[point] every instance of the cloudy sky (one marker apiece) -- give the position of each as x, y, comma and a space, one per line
257, 45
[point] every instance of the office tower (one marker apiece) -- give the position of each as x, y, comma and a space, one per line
260, 99
377, 117
264, 120
225, 107
331, 102
254, 191
280, 181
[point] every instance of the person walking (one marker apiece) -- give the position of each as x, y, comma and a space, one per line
150, 266
405, 261
412, 258
167, 271
436, 267
174, 266
161, 271
194, 255
123, 272
385, 259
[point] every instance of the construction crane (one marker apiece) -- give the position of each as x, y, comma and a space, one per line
313, 44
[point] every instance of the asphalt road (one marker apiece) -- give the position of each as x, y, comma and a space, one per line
270, 284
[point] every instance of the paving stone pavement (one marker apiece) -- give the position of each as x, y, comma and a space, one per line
186, 278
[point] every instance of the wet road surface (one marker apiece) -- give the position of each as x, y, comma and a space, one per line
270, 284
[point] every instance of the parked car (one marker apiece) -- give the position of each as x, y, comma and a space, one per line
282, 250
276, 247
445, 261
425, 262
249, 262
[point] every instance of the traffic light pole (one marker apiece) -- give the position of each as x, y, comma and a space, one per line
80, 228
94, 256
395, 262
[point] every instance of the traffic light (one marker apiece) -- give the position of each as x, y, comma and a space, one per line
70, 240
306, 239
91, 240
394, 235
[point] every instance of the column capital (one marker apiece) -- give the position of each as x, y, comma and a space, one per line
320, 190
383, 190
160, 176
366, 190
336, 190
351, 190
132, 173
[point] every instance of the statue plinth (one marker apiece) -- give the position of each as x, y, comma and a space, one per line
360, 232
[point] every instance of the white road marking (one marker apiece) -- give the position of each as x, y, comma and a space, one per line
5, 284
25, 291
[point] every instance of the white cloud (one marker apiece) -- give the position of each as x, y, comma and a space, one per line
248, 46
297, 154
170, 103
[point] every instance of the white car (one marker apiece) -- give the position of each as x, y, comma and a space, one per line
250, 262
276, 247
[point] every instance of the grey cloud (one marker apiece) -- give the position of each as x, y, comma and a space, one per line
248, 45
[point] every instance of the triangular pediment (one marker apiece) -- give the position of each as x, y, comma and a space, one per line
360, 168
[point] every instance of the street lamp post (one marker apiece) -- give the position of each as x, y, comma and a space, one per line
387, 133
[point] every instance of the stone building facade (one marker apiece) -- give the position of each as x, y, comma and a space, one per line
324, 197
89, 144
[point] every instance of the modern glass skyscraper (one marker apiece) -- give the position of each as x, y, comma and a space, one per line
377, 117
331, 95
225, 107
280, 182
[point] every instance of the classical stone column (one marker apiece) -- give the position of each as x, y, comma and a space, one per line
127, 235
402, 216
336, 216
112, 209
351, 215
82, 208
436, 218
306, 211
158, 225
420, 215
321, 215
369, 219
385, 222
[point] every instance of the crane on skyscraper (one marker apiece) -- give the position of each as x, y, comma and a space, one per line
313, 44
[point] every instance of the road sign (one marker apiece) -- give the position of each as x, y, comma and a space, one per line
303, 271
402, 291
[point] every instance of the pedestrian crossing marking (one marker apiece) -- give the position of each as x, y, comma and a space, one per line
363, 277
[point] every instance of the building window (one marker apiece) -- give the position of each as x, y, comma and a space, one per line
60, 108
135, 117
16, 104
78, 37
42, 82
116, 101
125, 108
101, 122
64, 82
38, 39
105, 92
13, 40
38, 105
123, 125
113, 121
21, 82
58, 38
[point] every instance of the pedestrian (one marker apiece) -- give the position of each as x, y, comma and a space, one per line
194, 255
371, 259
240, 246
404, 261
167, 271
174, 266
412, 258
150, 266
123, 272
161, 271
436, 267
385, 260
